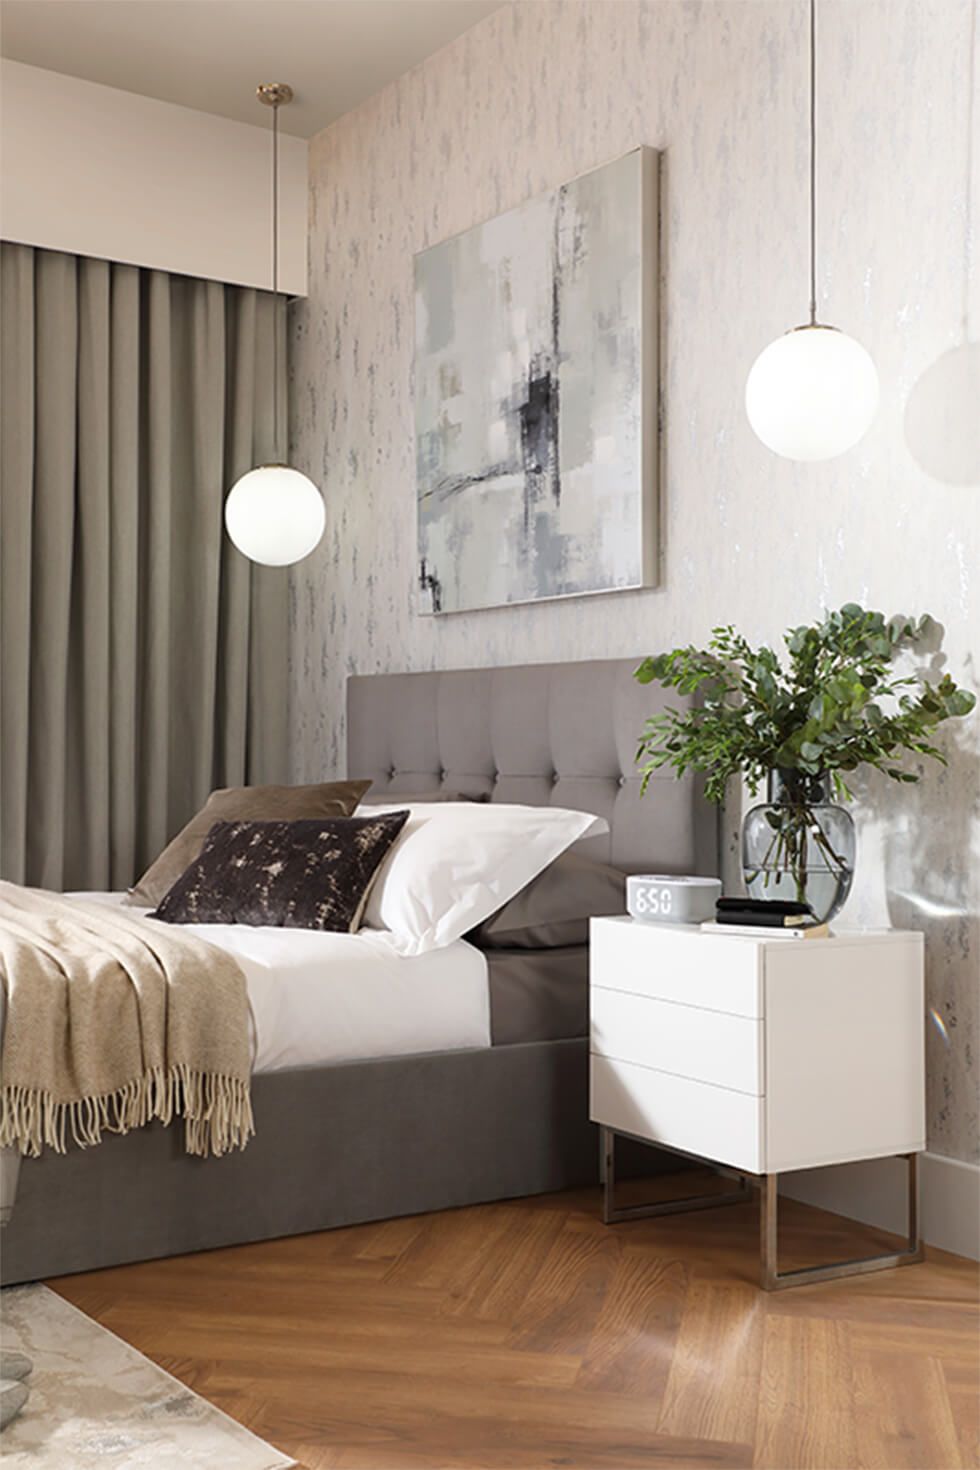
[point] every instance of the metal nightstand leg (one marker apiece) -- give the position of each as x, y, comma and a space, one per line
612, 1213
775, 1280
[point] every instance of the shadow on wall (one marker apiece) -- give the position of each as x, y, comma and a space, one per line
930, 843
942, 423
932, 858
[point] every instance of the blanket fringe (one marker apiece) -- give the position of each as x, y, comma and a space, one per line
217, 1112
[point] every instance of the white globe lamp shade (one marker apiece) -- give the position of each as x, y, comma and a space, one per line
812, 394
275, 515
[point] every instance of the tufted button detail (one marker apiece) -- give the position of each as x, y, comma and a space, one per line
392, 774
443, 774
555, 778
496, 777
621, 781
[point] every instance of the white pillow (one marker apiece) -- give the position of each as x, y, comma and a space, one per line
456, 862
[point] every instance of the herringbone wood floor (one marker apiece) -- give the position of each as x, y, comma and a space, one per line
528, 1335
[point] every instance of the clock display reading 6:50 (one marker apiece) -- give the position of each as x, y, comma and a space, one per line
649, 902
665, 900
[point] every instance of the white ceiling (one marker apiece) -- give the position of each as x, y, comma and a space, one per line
211, 54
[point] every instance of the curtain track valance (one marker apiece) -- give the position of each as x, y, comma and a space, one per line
142, 658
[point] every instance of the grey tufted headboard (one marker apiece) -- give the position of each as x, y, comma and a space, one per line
540, 734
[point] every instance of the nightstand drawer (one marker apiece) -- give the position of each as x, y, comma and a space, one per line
693, 1116
679, 964
707, 1046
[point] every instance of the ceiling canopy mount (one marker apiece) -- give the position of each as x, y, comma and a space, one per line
274, 94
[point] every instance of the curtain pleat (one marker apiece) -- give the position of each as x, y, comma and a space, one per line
87, 718
53, 514
198, 399
124, 543
142, 658
16, 500
154, 819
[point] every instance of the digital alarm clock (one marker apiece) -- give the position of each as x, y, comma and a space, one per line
663, 898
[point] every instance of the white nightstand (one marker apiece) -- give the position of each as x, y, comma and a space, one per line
761, 1055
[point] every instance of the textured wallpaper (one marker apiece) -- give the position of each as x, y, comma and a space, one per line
540, 92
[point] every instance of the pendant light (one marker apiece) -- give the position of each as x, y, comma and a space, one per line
813, 393
275, 515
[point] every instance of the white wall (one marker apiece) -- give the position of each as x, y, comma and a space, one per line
95, 171
538, 93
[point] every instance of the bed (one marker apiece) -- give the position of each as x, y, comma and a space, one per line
343, 1138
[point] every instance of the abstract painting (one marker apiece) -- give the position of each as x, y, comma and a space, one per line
536, 397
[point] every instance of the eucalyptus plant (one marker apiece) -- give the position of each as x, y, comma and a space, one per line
835, 703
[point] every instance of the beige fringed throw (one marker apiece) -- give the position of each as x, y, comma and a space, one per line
113, 1020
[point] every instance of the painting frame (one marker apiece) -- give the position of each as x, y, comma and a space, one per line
572, 398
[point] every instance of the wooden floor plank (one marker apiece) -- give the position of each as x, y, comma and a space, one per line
527, 1335
563, 1302
904, 1419
633, 1340
806, 1402
496, 1291
549, 1450
473, 1361
712, 1387
962, 1379
389, 1239
957, 1341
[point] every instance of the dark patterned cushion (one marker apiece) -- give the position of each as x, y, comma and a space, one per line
292, 875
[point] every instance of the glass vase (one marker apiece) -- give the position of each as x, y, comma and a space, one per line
799, 845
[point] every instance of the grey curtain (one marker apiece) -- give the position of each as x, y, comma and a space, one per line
142, 658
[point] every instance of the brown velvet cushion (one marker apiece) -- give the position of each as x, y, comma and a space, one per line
290, 875
243, 803
554, 909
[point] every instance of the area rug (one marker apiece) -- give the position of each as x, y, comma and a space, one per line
96, 1403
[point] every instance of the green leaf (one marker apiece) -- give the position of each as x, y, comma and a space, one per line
833, 705
960, 703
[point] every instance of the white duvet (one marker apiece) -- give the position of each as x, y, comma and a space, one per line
318, 997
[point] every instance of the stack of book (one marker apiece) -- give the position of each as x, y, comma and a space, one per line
776, 918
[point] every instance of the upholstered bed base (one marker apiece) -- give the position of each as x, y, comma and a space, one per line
333, 1145
395, 1136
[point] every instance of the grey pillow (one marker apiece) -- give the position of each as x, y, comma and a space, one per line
554, 909
242, 803
289, 875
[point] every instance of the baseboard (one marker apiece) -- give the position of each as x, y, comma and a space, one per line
874, 1192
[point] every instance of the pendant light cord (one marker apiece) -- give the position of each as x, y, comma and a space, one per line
813, 163
276, 448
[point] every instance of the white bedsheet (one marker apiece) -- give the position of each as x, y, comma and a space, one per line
319, 997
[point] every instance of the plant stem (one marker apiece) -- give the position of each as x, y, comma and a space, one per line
789, 845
